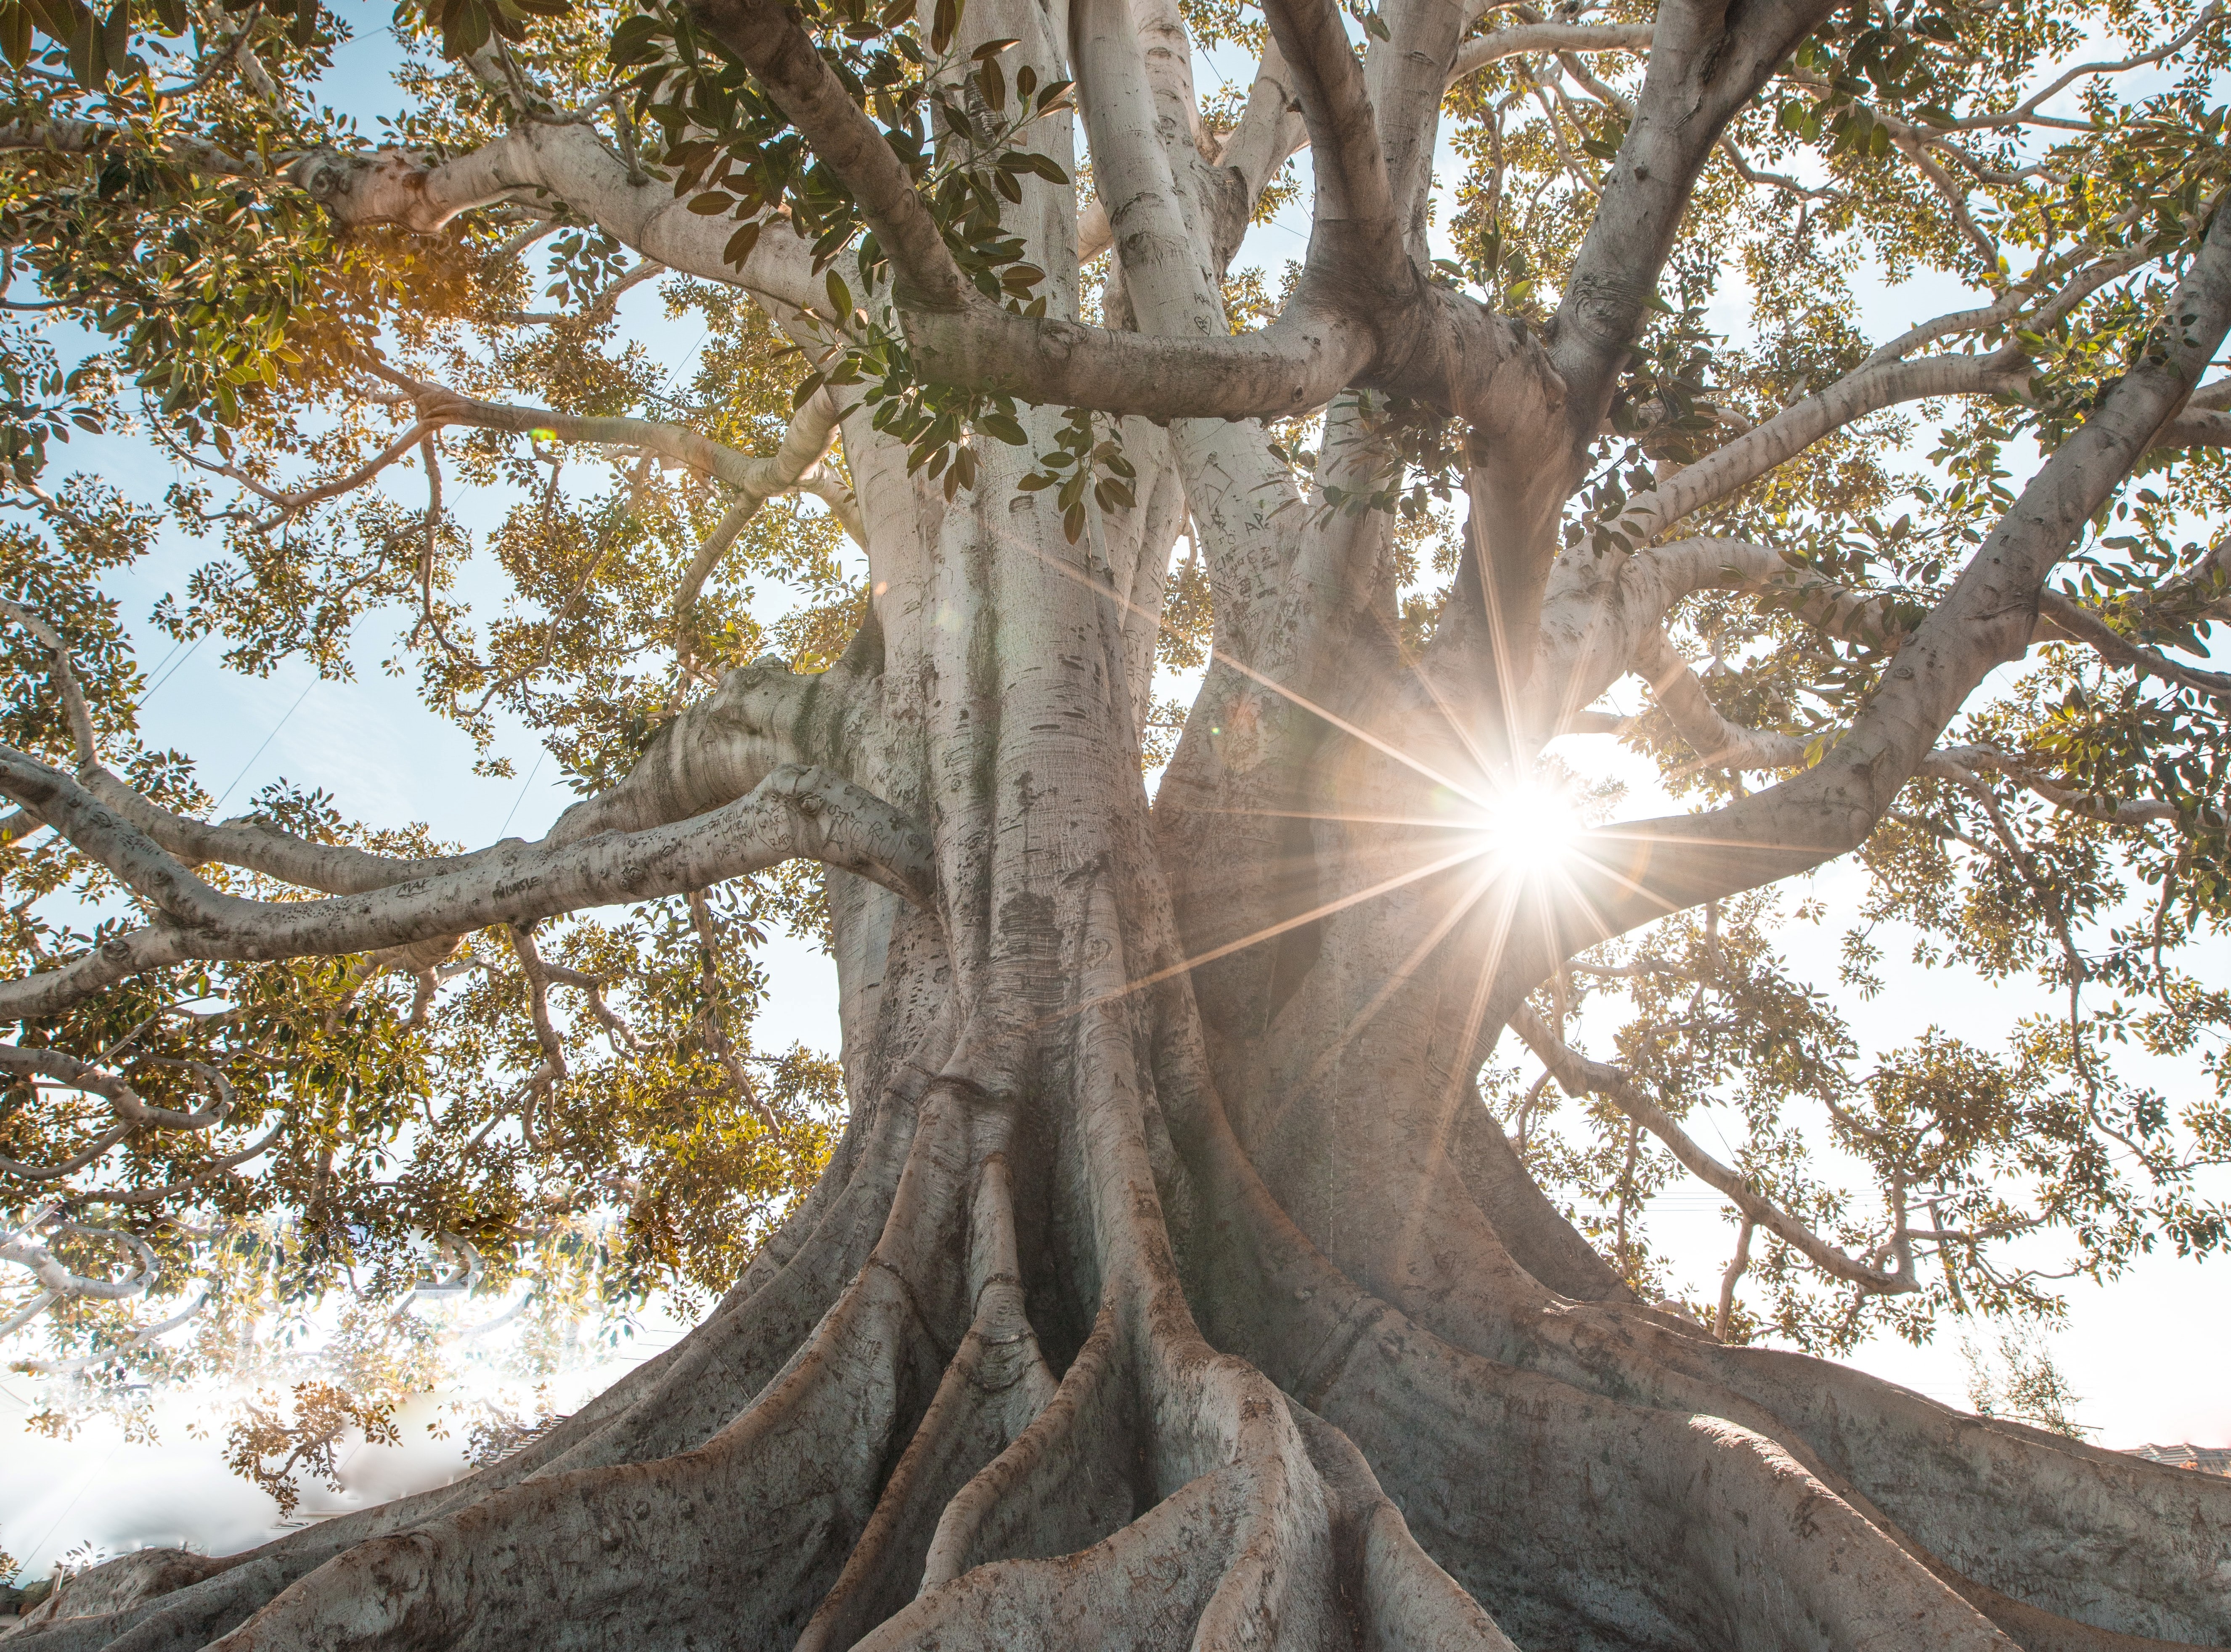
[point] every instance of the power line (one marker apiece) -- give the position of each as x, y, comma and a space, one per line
167, 658
521, 798
163, 676
267, 739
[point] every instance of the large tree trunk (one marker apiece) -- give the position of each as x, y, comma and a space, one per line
1148, 1305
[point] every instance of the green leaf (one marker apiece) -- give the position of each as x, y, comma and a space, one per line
740, 245
636, 42
58, 19
84, 64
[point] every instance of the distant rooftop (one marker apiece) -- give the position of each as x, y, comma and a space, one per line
2209, 1460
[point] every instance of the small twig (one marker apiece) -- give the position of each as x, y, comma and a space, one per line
708, 1015
1724, 1316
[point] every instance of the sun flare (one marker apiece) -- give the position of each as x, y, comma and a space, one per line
1531, 827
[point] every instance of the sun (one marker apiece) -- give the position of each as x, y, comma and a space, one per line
1531, 827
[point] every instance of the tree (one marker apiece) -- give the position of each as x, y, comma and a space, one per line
1171, 1280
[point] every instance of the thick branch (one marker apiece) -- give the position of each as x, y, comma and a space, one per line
1602, 611
1350, 164
1387, 328
545, 161
1797, 426
796, 811
763, 717
1706, 63
769, 40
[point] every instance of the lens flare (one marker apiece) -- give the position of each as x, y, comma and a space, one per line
1530, 828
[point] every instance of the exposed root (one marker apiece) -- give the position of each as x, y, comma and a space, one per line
1143, 1587
1396, 1592
995, 1385
2074, 1531
1564, 1510
1235, 1543
1555, 1506
1069, 1479
621, 1557
867, 1445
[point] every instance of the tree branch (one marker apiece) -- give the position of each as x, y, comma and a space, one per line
1958, 762
762, 718
547, 161
1390, 329
1493, 47
2080, 624
1577, 1075
2030, 105
193, 1183
289, 503
138, 1339
62, 1283
1350, 164
65, 683
1601, 612
1719, 742
64, 135
1989, 617
795, 811
1730, 468
1706, 63
130, 1105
